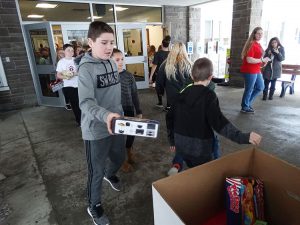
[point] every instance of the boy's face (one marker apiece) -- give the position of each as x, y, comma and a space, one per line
103, 46
119, 59
69, 52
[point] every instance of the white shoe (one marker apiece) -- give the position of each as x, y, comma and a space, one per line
172, 171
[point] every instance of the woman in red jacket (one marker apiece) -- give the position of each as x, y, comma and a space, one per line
252, 58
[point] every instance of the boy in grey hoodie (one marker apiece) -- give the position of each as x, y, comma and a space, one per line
99, 93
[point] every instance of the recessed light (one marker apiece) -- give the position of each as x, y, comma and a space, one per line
95, 17
35, 16
46, 5
118, 8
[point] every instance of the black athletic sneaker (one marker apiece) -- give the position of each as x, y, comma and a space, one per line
114, 182
248, 111
68, 107
97, 214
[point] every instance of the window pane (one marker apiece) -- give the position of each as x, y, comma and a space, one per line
40, 46
133, 45
45, 80
137, 70
63, 11
78, 38
127, 13
103, 13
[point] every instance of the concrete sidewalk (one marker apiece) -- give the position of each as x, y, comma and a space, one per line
43, 159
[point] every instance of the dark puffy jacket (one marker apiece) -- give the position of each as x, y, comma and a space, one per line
273, 69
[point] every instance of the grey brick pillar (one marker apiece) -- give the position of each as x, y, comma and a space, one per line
18, 74
246, 16
194, 29
176, 22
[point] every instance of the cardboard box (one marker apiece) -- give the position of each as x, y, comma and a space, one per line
135, 127
197, 194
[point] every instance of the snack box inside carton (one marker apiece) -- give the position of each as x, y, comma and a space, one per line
135, 126
198, 194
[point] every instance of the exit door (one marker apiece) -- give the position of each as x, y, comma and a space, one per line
43, 59
133, 43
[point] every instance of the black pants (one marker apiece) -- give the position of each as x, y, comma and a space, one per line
71, 93
273, 84
129, 139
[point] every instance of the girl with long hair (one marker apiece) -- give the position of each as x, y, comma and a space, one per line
272, 70
252, 59
174, 73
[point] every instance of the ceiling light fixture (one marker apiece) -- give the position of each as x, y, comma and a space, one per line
95, 17
46, 5
35, 16
118, 8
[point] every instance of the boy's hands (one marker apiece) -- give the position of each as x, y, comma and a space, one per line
255, 138
109, 120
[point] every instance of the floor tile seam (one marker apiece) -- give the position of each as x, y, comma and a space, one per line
38, 168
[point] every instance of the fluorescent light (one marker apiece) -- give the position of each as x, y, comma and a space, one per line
35, 16
95, 17
46, 5
118, 8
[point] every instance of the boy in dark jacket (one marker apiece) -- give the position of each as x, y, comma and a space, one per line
194, 116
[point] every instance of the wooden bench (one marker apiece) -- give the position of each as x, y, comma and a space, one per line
289, 69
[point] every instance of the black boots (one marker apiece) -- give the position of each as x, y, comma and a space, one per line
265, 94
271, 94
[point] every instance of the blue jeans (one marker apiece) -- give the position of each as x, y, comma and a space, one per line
254, 84
215, 154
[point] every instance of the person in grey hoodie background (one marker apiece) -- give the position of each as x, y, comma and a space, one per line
99, 93
272, 70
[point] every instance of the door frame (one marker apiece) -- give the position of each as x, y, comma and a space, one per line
42, 100
135, 59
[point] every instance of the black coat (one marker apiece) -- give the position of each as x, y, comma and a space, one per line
172, 86
273, 68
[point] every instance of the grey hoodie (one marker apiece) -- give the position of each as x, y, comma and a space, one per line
99, 92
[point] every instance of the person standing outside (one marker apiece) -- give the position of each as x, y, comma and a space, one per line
272, 70
100, 102
66, 71
252, 59
159, 58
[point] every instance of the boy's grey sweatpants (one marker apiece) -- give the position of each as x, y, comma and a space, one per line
97, 153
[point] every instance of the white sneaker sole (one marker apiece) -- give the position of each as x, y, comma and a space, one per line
112, 186
89, 212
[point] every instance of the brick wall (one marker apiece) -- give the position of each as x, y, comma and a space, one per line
18, 74
176, 22
246, 16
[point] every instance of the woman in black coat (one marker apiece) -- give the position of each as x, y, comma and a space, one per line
273, 68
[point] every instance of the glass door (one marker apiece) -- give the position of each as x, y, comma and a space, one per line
133, 43
43, 58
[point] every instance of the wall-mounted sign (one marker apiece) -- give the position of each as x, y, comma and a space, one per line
190, 47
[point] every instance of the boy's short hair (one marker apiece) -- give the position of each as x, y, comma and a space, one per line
165, 43
115, 50
97, 28
65, 46
202, 69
